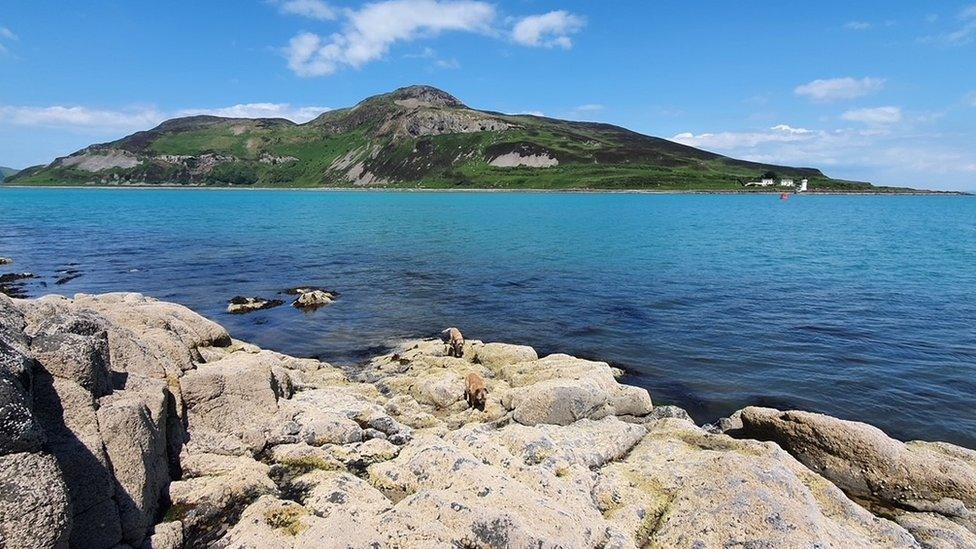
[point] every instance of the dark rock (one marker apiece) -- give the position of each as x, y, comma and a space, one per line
19, 431
298, 290
241, 304
68, 277
7, 278
12, 284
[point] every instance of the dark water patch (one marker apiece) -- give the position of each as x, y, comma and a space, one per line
362, 354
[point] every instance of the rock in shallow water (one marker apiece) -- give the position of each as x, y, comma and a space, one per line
313, 300
241, 305
311, 297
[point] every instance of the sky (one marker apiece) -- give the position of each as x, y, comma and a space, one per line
879, 91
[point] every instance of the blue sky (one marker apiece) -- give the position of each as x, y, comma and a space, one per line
876, 91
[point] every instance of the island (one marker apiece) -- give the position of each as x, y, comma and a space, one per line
416, 137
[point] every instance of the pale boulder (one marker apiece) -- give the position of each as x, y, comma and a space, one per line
478, 502
559, 402
561, 389
313, 299
271, 523
207, 504
340, 496
136, 448
230, 402
683, 487
495, 356
330, 428
439, 388
869, 465
34, 511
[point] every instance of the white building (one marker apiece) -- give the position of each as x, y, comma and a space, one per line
768, 182
786, 183
763, 183
803, 186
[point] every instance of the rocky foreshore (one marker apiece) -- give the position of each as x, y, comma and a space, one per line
130, 422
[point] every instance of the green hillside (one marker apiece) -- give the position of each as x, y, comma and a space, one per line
413, 137
6, 172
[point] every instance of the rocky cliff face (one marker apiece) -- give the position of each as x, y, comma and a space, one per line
125, 420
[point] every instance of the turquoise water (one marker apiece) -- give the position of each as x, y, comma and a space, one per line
863, 307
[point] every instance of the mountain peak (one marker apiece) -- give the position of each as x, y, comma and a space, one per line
426, 96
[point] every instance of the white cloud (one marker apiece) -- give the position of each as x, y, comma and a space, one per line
261, 110
790, 129
857, 25
833, 89
58, 116
9, 36
890, 155
548, 30
450, 64
426, 53
876, 115
724, 141
437, 61
313, 9
370, 31
971, 99
128, 120
965, 33
590, 107
961, 35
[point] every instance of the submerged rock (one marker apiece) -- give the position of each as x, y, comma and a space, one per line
12, 284
67, 276
241, 304
7, 278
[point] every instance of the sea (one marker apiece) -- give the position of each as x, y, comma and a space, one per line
861, 307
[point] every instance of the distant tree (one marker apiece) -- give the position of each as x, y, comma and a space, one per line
769, 175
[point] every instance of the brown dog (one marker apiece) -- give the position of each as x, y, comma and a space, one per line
455, 342
476, 392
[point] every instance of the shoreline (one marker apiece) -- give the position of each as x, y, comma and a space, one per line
508, 191
193, 438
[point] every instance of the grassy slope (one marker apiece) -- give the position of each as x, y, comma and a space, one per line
6, 172
591, 156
